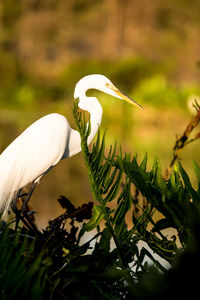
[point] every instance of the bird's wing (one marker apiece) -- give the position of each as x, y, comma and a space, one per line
32, 153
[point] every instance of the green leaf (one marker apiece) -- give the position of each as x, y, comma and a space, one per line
197, 173
98, 154
124, 205
110, 180
97, 216
155, 166
193, 194
143, 164
156, 262
112, 152
104, 175
124, 191
158, 181
163, 224
104, 242
174, 180
140, 178
114, 188
120, 212
120, 228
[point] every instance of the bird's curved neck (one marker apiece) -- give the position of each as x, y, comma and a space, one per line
92, 105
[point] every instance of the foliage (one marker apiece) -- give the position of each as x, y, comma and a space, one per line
21, 274
114, 177
95, 251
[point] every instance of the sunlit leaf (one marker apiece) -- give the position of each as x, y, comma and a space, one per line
197, 172
143, 164
97, 216
188, 185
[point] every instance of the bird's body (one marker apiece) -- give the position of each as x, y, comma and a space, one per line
32, 154
48, 140
46, 134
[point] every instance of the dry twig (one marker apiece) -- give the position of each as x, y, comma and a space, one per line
184, 140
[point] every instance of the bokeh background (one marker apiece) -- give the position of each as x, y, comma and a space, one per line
149, 49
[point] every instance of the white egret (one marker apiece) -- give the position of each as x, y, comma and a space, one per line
48, 140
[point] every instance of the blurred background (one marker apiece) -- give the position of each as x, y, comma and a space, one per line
148, 49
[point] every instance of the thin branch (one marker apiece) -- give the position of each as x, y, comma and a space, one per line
184, 140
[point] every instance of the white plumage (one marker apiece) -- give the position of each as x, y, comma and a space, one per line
48, 140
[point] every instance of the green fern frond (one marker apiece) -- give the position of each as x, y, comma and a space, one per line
114, 178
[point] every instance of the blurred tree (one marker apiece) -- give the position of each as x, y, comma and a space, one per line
44, 36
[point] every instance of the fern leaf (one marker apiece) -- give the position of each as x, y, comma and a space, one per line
143, 164
97, 216
114, 188
110, 180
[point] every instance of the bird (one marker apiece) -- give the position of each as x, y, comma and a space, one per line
49, 140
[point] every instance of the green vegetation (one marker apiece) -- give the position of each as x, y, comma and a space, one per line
21, 272
149, 50
59, 262
106, 249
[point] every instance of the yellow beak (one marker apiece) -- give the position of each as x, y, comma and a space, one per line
121, 95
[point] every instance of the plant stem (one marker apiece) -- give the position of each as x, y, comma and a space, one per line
182, 141
82, 128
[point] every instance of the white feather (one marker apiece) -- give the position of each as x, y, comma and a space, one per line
30, 155
48, 140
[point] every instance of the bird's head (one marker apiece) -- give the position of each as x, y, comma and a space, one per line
101, 83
